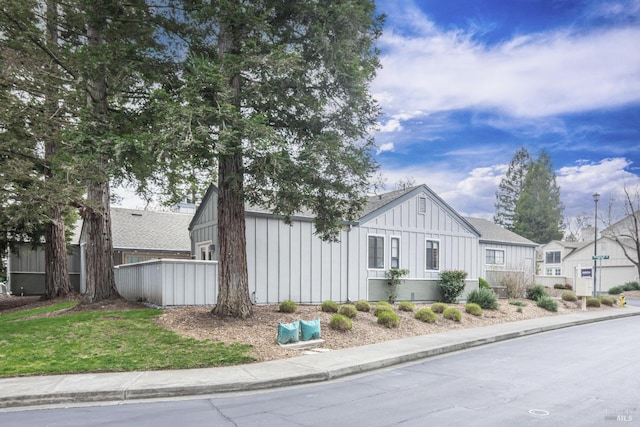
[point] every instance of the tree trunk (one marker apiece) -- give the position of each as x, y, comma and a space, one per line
100, 281
233, 281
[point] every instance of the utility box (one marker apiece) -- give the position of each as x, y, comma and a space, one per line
584, 281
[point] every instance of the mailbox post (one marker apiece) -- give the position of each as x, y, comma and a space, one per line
584, 282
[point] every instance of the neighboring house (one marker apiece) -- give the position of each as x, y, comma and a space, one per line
504, 253
412, 229
140, 235
550, 270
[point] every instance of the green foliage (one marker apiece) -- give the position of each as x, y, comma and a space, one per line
426, 315
394, 278
348, 310
616, 290
483, 284
406, 306
473, 308
519, 309
609, 301
451, 284
484, 297
518, 303
538, 212
340, 323
329, 306
547, 303
380, 307
439, 307
558, 286
593, 302
569, 296
388, 319
535, 292
452, 313
511, 187
288, 306
363, 305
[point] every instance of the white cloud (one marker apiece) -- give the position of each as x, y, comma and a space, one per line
533, 75
388, 146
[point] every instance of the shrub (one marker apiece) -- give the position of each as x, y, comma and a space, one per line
452, 314
348, 310
363, 305
547, 303
558, 286
439, 307
485, 298
380, 307
607, 300
426, 315
616, 290
329, 307
519, 309
569, 296
394, 277
535, 292
518, 303
593, 302
288, 306
473, 308
451, 284
631, 286
340, 323
406, 306
483, 284
389, 319
568, 287
515, 283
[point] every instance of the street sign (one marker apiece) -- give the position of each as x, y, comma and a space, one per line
595, 257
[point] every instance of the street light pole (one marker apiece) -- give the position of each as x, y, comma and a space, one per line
596, 197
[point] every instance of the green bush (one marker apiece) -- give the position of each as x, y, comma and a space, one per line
363, 305
394, 278
389, 319
519, 309
473, 308
452, 314
348, 310
439, 307
607, 300
451, 284
593, 302
569, 296
426, 315
485, 298
518, 303
380, 307
558, 286
288, 306
535, 292
340, 323
631, 286
406, 306
483, 284
547, 303
329, 307
616, 290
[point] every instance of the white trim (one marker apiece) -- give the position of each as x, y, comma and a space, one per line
552, 263
504, 256
399, 251
383, 254
203, 245
422, 197
427, 239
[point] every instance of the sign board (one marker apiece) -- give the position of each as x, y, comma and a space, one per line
596, 257
586, 273
584, 281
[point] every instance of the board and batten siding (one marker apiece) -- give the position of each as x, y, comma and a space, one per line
517, 258
205, 226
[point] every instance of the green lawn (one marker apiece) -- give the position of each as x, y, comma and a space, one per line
32, 342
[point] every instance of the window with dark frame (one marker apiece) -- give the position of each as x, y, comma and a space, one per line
494, 257
552, 257
376, 252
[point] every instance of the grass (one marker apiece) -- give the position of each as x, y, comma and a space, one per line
102, 341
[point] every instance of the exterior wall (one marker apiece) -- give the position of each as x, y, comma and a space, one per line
413, 290
169, 282
517, 259
205, 226
27, 267
552, 247
123, 256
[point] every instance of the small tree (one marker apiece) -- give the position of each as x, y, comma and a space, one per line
451, 284
511, 187
395, 278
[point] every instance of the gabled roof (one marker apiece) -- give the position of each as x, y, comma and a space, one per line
493, 233
152, 230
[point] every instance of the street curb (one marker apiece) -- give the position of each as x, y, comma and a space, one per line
312, 372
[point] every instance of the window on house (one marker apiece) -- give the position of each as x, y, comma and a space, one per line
395, 252
422, 205
205, 251
557, 272
433, 255
552, 257
376, 252
494, 257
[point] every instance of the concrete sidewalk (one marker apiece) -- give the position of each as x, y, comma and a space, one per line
123, 386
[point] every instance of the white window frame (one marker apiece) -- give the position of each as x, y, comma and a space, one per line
202, 247
382, 236
439, 254
422, 205
552, 263
391, 239
504, 256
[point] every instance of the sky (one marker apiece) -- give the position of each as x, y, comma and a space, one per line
465, 83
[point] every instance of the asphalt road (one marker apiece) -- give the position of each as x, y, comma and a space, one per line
581, 376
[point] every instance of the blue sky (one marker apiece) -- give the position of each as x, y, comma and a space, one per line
465, 83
